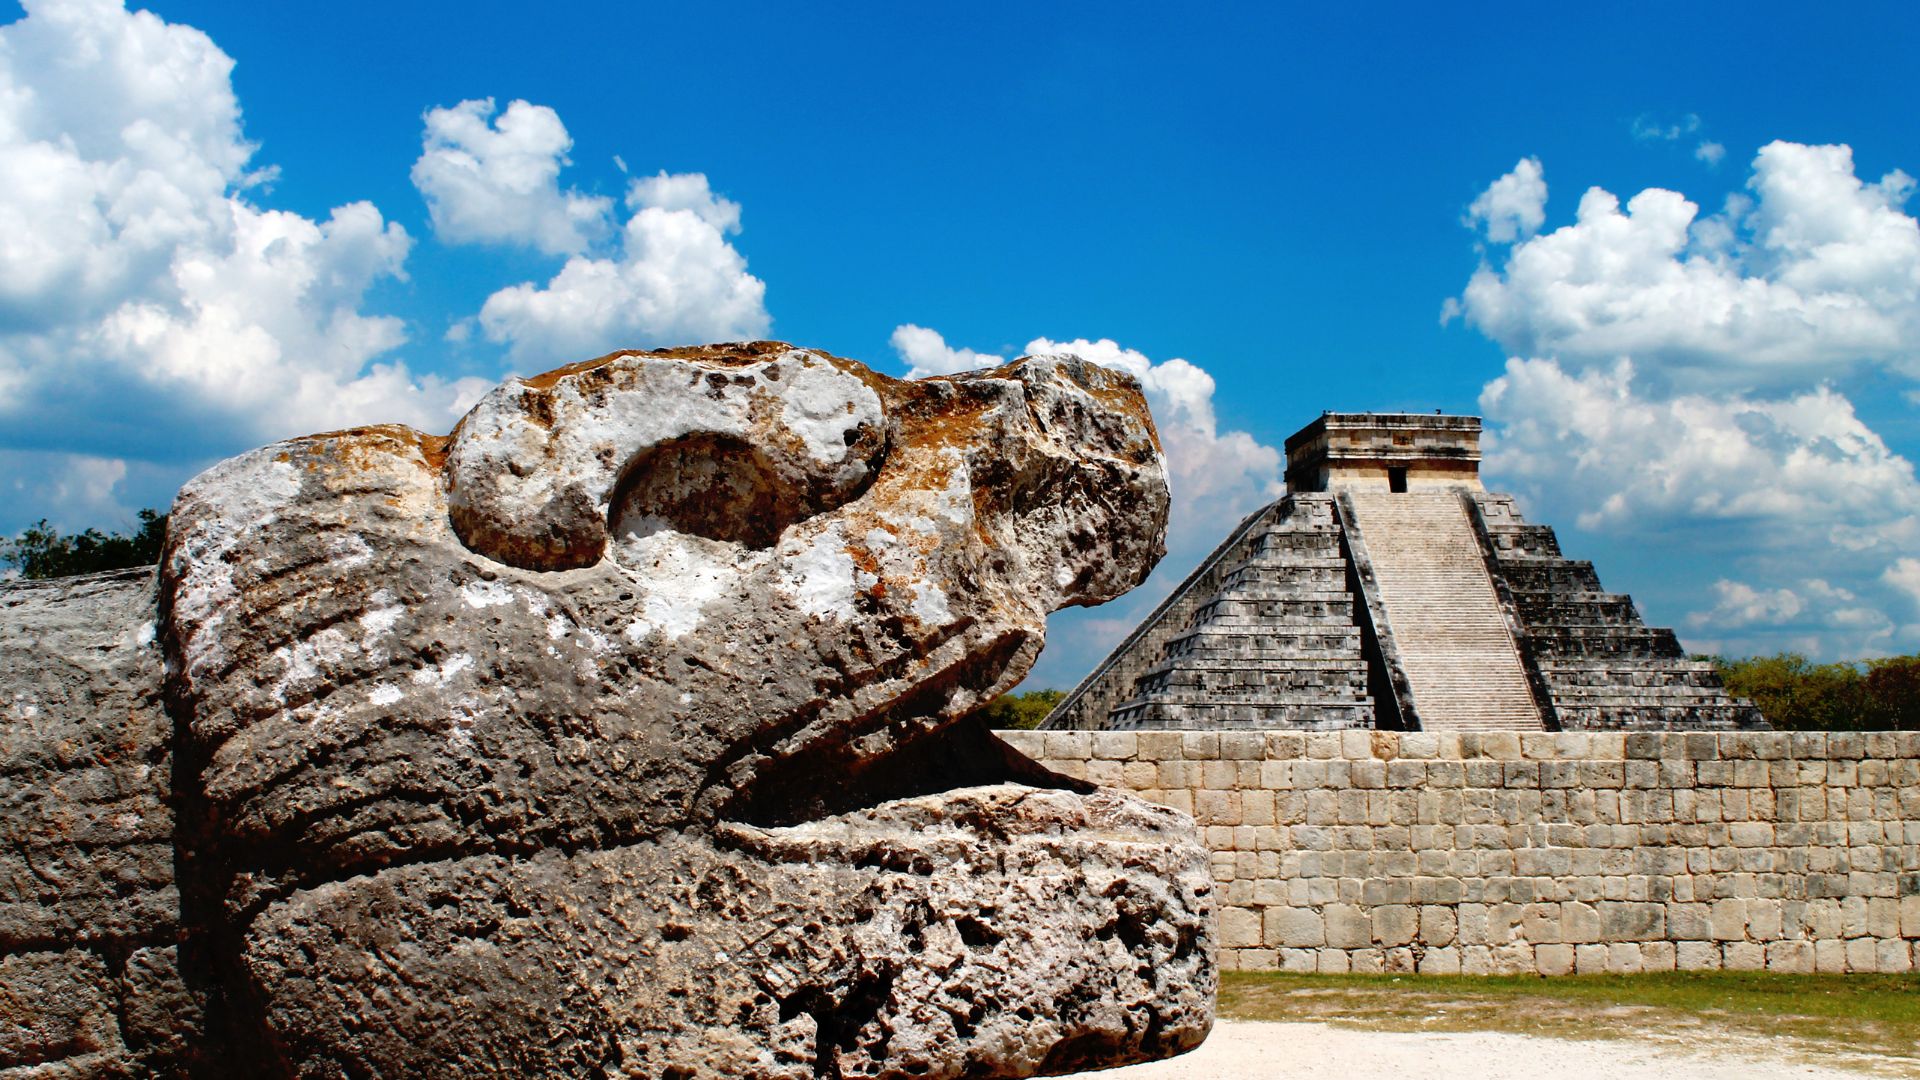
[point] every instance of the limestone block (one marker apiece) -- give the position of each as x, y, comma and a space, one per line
1200, 745
1419, 744
1697, 956
1590, 959
1239, 928
1285, 745
1367, 774
1658, 955
1728, 920
1579, 923
1624, 958
1629, 921
1069, 745
1396, 924
1893, 955
1212, 806
1439, 925
1243, 745
1830, 956
1790, 956
1863, 954
1256, 806
1554, 959
1159, 745
1276, 774
1299, 961
1259, 960
1295, 928
1030, 743
1115, 745
1347, 926
1406, 774
1883, 916
1333, 962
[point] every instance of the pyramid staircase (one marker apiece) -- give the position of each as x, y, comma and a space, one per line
1275, 644
1449, 628
1603, 667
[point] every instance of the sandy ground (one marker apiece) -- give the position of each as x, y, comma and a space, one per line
1250, 1048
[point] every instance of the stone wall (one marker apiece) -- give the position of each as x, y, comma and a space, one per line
1550, 852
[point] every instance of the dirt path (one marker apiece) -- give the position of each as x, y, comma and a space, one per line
1251, 1049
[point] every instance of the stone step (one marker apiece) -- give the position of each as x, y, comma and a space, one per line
1317, 716
1446, 620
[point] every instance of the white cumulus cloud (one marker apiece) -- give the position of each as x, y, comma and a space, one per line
1514, 206
148, 305
927, 353
496, 180
1904, 575
675, 279
1780, 489
1675, 382
1814, 273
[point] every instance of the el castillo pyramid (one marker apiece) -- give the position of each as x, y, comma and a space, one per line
1389, 589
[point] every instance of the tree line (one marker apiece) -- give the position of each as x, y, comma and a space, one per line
42, 551
1796, 694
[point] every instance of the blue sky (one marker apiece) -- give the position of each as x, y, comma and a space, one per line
1281, 197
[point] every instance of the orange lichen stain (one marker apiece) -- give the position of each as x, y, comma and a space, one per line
864, 559
547, 380
363, 448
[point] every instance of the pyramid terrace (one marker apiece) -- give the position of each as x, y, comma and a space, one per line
1388, 589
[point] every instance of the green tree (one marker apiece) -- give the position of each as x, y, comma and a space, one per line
1894, 686
1796, 694
42, 552
1024, 710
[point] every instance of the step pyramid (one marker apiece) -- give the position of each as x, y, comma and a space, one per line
1389, 590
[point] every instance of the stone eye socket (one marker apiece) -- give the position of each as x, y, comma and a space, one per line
717, 486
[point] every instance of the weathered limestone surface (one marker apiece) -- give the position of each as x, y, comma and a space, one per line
1540, 852
618, 733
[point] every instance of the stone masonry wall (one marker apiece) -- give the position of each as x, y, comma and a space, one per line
1549, 852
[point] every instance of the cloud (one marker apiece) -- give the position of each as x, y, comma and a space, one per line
1904, 575
1697, 457
150, 309
1710, 152
1514, 206
1675, 382
1646, 129
927, 353
80, 489
1808, 617
1816, 273
676, 279
490, 180
1796, 493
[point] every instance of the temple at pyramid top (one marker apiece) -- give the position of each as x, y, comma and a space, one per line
1389, 589
1385, 451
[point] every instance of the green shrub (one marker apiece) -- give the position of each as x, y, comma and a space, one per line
1024, 710
1796, 694
41, 552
